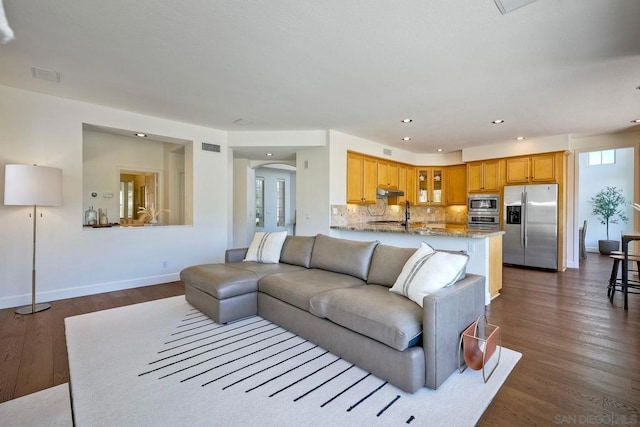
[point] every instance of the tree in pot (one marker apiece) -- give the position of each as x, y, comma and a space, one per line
607, 206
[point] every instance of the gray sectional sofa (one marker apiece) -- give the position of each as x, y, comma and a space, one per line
335, 293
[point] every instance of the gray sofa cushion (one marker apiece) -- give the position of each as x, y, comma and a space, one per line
297, 250
232, 279
342, 255
261, 269
296, 288
219, 280
372, 311
387, 263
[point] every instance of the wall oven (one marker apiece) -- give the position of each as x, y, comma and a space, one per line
483, 212
483, 222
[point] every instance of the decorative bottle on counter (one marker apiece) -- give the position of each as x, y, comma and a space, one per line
90, 216
104, 219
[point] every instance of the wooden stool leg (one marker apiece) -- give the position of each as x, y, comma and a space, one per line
611, 289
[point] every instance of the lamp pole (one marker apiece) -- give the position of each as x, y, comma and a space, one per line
33, 308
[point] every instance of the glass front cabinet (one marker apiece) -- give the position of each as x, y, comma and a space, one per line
430, 186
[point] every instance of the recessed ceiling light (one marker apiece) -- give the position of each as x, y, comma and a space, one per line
407, 120
406, 138
440, 150
520, 138
269, 154
497, 122
635, 121
141, 135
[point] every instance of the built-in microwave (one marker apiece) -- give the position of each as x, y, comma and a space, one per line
483, 204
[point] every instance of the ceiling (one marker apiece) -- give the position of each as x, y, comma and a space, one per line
552, 67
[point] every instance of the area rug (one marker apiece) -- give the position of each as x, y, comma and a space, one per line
165, 363
50, 407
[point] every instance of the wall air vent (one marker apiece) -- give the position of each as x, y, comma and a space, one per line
386, 151
210, 147
42, 74
506, 6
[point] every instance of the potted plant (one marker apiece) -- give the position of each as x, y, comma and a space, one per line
607, 207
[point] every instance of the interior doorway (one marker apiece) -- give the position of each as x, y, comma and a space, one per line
275, 198
597, 170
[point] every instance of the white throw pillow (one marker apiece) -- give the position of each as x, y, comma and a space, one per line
266, 247
429, 271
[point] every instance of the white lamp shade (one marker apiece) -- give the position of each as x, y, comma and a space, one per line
26, 185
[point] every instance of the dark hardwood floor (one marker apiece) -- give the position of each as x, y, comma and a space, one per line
580, 364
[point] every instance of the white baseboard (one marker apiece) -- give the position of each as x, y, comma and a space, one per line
80, 291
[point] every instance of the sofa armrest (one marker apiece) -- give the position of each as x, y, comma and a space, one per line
235, 255
445, 315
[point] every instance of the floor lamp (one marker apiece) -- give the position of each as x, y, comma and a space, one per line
26, 185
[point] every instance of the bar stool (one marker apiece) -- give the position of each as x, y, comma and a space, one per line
614, 283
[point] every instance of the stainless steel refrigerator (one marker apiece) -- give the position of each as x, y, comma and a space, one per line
531, 225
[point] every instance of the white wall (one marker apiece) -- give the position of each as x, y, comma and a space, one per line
243, 203
104, 155
517, 148
312, 191
73, 261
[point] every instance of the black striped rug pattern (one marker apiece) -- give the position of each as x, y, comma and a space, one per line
268, 361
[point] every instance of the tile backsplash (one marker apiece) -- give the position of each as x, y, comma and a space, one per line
342, 215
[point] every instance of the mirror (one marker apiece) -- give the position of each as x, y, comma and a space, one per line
136, 181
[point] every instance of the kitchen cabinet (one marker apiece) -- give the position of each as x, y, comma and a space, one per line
483, 176
456, 185
538, 168
407, 183
362, 177
430, 185
387, 174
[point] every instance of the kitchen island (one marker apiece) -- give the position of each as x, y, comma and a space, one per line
483, 247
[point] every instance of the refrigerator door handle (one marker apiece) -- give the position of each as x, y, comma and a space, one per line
524, 219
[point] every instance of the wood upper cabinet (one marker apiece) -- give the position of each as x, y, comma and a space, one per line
518, 170
544, 168
407, 183
362, 177
456, 188
483, 176
387, 174
531, 169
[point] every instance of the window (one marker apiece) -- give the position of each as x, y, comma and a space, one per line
605, 157
280, 203
260, 202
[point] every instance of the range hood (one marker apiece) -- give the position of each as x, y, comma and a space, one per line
384, 192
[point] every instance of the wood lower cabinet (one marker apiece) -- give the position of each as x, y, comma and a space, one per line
495, 265
362, 177
456, 185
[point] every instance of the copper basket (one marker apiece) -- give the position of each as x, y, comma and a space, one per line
478, 343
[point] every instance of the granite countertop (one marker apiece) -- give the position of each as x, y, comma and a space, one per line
422, 229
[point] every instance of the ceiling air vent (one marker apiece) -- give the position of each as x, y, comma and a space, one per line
210, 147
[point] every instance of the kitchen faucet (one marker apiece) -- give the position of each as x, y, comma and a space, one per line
407, 214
